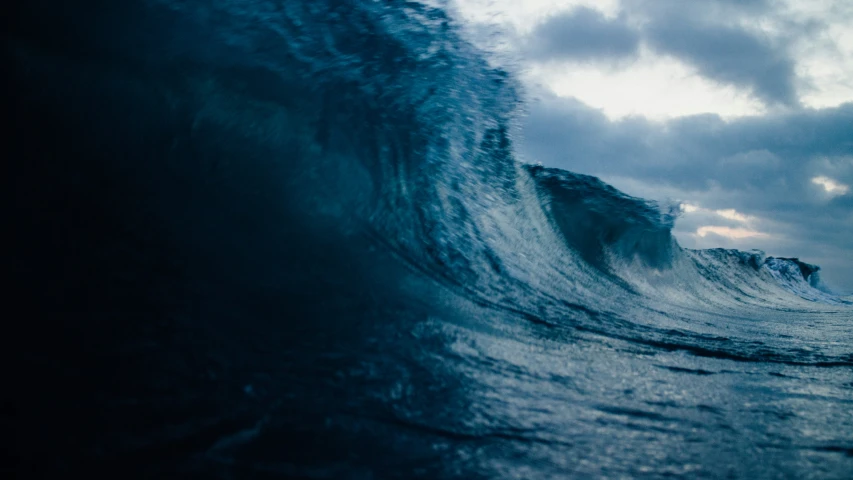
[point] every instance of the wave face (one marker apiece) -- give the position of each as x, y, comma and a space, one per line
284, 239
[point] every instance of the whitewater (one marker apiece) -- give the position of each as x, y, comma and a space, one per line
293, 239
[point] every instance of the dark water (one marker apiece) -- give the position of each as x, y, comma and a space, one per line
284, 239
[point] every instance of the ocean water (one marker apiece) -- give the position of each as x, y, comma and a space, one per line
291, 239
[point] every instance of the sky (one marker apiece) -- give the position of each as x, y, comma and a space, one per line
739, 110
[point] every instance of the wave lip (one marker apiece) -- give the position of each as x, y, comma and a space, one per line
597, 220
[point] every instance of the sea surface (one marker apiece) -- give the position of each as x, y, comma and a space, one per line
292, 239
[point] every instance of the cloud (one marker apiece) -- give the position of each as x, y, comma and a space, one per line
728, 213
745, 45
831, 186
581, 34
735, 233
730, 55
732, 214
735, 42
752, 153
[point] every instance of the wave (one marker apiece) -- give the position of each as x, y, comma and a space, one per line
403, 129
382, 121
313, 151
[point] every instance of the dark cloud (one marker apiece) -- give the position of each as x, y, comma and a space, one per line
710, 35
761, 166
751, 152
729, 55
582, 34
714, 36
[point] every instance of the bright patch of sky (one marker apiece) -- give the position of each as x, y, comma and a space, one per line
728, 232
830, 186
653, 86
729, 213
721, 230
733, 214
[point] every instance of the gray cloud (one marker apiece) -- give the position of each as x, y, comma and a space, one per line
582, 34
712, 36
761, 166
728, 55
708, 35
